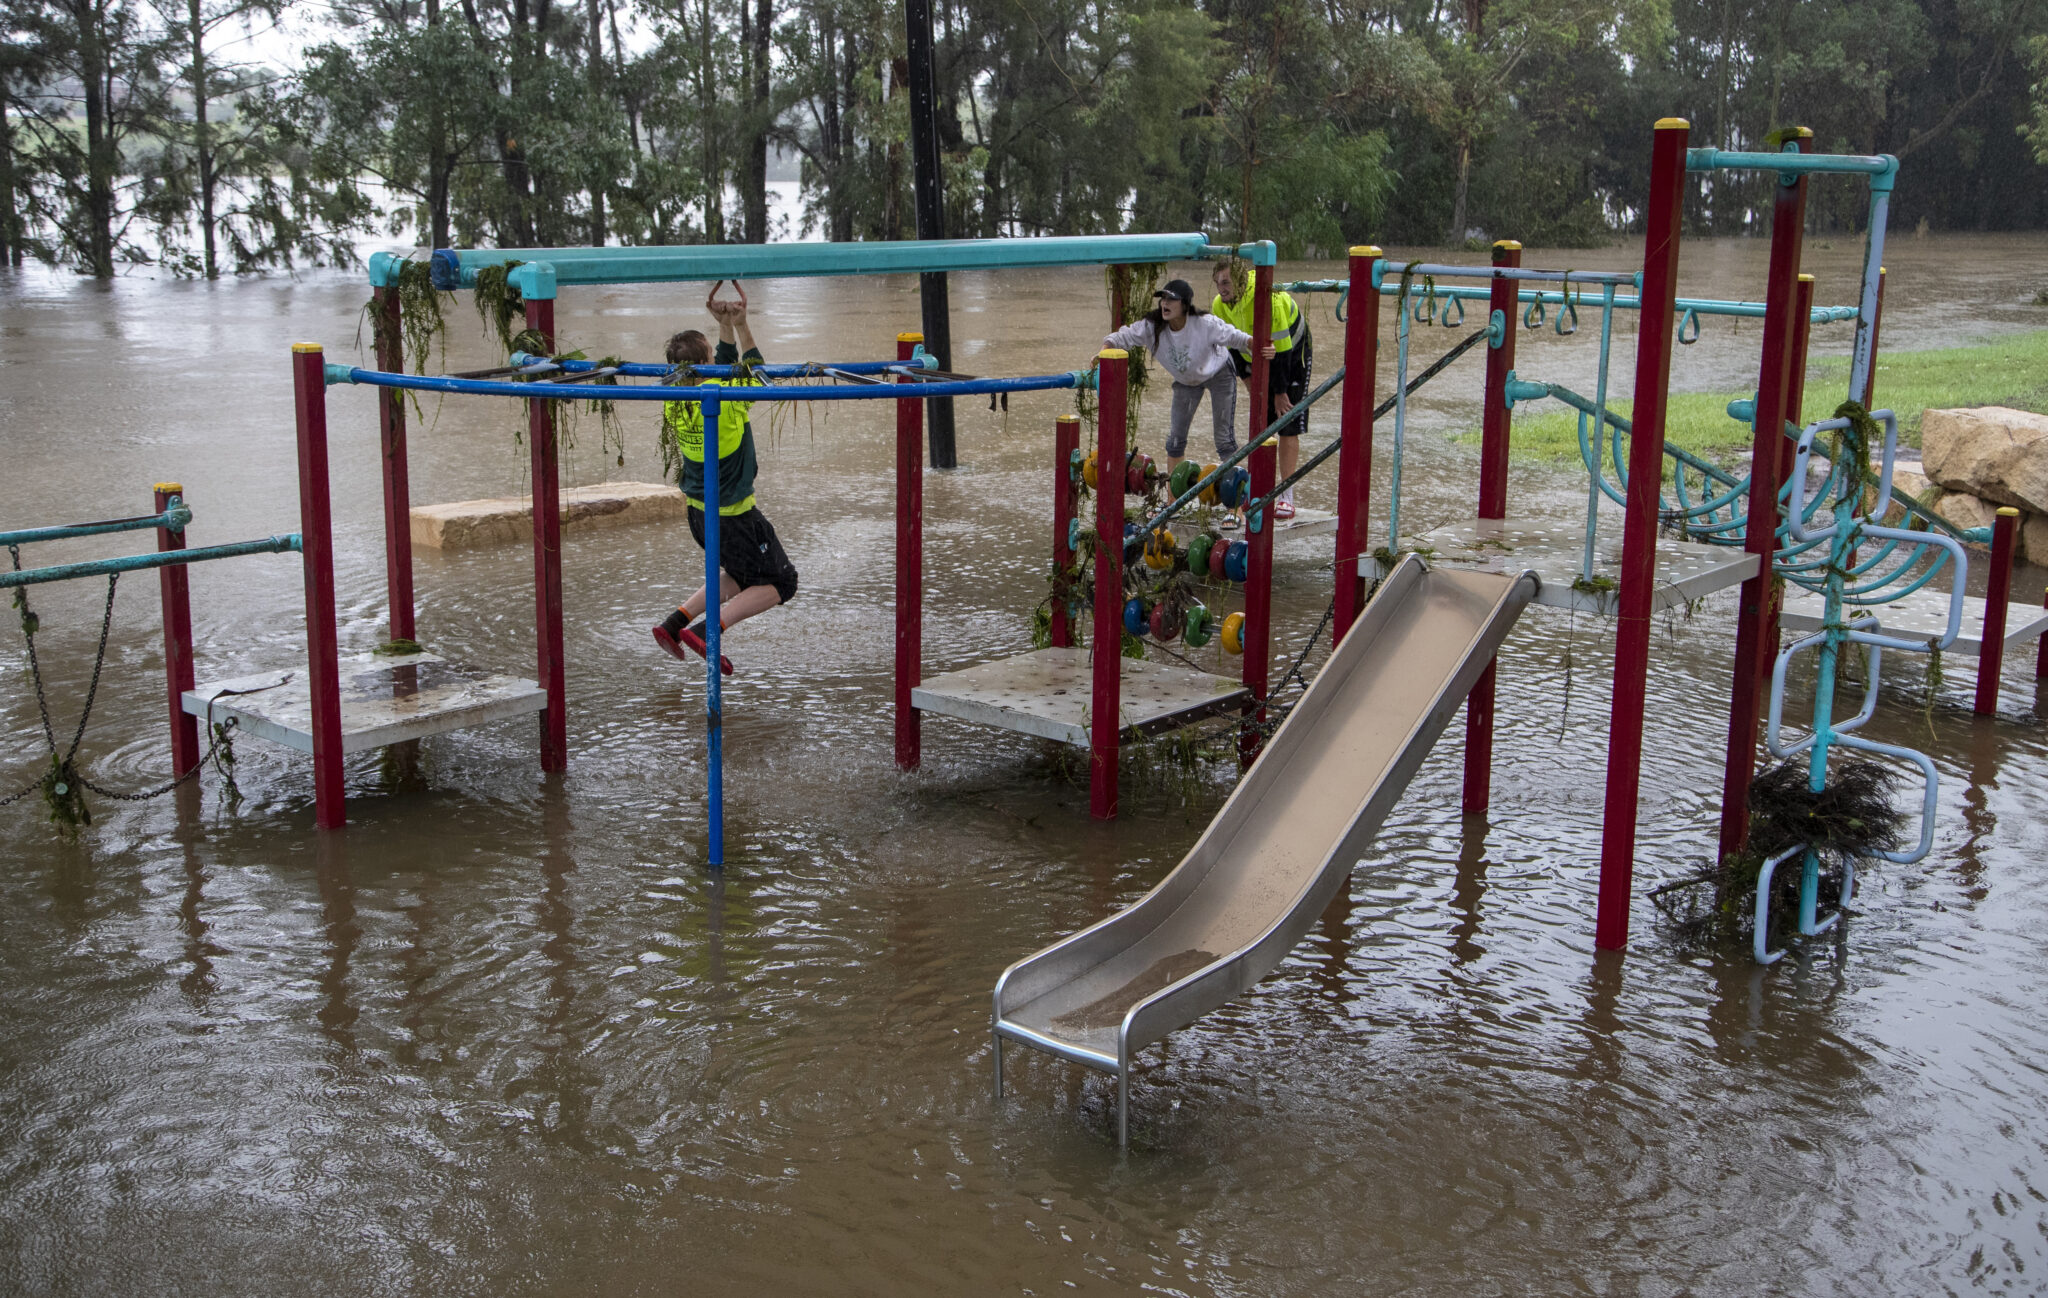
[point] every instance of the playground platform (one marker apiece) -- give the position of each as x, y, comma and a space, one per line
1306, 522
384, 700
1923, 613
1686, 570
1047, 693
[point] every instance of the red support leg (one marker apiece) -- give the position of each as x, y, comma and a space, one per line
1639, 532
909, 563
1354, 450
545, 473
1997, 591
2041, 655
1795, 405
175, 586
316, 547
1502, 296
1066, 439
1754, 619
1105, 717
397, 481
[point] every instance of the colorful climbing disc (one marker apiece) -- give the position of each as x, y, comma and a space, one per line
1197, 629
1198, 552
1088, 469
1237, 562
1233, 634
1218, 552
1208, 496
1163, 626
1185, 474
1136, 616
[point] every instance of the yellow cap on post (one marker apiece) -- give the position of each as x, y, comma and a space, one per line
1508, 245
305, 347
1673, 124
1115, 354
1068, 419
170, 488
1366, 250
2007, 511
909, 338
1805, 278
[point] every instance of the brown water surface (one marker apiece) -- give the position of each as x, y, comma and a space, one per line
506, 1035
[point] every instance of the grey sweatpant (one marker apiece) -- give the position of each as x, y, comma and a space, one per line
1222, 390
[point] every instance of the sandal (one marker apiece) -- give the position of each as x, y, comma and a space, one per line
1230, 523
1283, 509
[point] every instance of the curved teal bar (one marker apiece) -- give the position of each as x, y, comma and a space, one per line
456, 268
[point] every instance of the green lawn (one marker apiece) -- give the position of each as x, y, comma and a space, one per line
2011, 371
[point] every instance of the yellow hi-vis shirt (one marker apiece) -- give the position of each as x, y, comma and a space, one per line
684, 421
1289, 324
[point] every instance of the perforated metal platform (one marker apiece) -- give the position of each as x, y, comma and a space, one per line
384, 700
1924, 613
1686, 570
1306, 522
1047, 693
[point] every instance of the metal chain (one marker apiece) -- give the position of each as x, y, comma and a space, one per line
35, 670
221, 735
99, 660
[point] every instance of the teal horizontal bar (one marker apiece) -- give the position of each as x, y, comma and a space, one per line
144, 562
1882, 164
456, 268
1705, 306
173, 519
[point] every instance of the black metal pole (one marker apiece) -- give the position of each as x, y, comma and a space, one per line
931, 224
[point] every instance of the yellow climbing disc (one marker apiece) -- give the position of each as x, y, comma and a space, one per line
1208, 496
1233, 634
1088, 469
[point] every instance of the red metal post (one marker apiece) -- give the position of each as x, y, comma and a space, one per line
547, 554
316, 547
1877, 320
1264, 464
1767, 455
397, 481
1639, 531
1503, 296
1795, 405
175, 586
1997, 591
1105, 716
1354, 449
909, 563
2041, 655
1066, 439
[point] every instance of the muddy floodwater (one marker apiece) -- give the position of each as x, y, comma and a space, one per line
507, 1035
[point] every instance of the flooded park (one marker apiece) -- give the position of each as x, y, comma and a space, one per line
507, 1033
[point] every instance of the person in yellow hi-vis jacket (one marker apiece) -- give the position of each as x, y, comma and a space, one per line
756, 575
1291, 362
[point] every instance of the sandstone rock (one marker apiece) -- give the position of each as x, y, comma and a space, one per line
466, 524
1965, 510
2034, 539
1907, 482
1992, 452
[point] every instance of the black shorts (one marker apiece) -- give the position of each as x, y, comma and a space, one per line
749, 551
1289, 366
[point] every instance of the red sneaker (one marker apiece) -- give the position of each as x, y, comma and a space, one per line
675, 644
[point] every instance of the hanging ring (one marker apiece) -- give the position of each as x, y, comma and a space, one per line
1566, 311
1447, 321
1690, 320
1343, 298
1533, 314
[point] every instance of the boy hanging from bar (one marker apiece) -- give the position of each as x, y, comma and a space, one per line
756, 575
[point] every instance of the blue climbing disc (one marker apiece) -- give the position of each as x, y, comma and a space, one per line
1236, 561
1135, 617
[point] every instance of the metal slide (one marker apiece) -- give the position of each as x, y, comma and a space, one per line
1282, 845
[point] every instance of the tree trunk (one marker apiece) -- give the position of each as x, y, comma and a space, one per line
1457, 232
828, 127
202, 138
99, 143
707, 101
10, 209
754, 202
595, 55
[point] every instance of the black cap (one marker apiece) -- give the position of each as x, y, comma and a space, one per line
1178, 289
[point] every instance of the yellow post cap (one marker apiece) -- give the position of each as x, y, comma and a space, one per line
2007, 511
1673, 124
1801, 132
909, 338
1508, 245
1068, 419
170, 488
305, 347
1366, 250
1115, 354
1805, 278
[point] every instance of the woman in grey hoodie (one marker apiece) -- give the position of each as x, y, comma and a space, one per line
1193, 347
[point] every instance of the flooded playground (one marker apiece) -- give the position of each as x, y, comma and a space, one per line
506, 1034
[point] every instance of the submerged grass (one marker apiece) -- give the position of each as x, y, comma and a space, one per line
2010, 371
